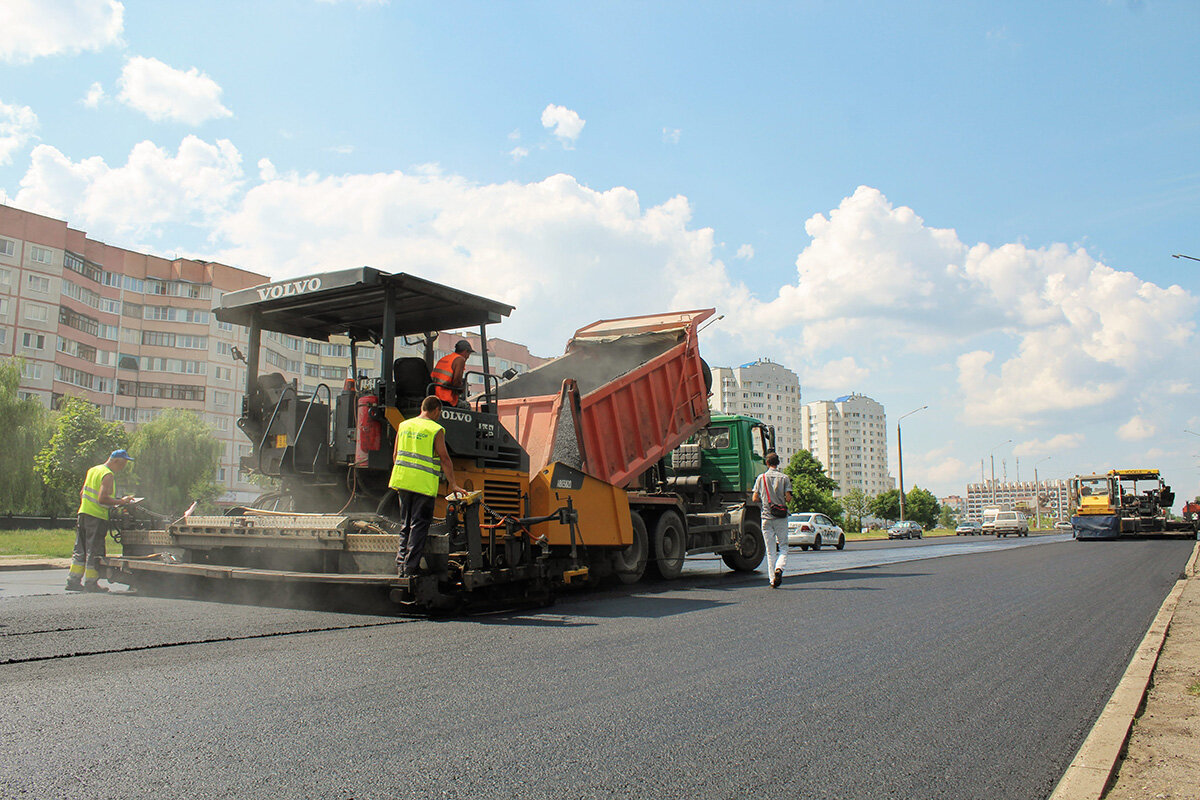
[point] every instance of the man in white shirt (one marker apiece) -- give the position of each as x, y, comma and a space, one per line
773, 488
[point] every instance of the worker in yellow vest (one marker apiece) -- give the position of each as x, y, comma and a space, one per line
447, 374
420, 450
97, 496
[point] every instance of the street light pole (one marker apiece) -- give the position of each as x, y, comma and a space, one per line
900, 457
1037, 493
992, 457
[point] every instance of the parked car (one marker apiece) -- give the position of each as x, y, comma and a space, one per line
1063, 525
1013, 522
969, 529
906, 530
814, 530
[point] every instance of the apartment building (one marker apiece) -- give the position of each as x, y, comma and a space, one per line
765, 390
1051, 498
135, 334
849, 437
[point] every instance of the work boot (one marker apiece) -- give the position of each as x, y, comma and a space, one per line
94, 587
74, 585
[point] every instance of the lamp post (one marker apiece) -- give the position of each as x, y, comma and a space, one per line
1037, 493
992, 458
1181, 255
900, 457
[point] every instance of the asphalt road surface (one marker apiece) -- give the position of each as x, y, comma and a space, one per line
970, 675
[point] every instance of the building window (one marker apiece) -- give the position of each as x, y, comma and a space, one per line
8, 247
5, 277
31, 371
38, 283
33, 341
41, 255
36, 312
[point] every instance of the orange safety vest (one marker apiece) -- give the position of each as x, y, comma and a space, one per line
443, 375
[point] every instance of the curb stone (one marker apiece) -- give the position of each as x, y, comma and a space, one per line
1095, 765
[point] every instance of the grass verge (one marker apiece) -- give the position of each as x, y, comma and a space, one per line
56, 543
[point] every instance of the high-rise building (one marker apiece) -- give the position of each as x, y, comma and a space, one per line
765, 390
849, 437
135, 334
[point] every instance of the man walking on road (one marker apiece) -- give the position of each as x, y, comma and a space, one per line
91, 525
420, 449
773, 490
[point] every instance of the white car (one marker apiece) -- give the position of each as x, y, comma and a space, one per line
814, 530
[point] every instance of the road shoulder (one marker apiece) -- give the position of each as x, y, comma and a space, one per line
1152, 755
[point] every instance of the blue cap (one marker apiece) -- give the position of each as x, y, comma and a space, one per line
121, 454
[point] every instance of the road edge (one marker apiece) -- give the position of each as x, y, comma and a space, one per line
1094, 766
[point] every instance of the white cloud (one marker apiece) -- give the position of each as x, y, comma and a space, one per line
518, 153
833, 377
342, 149
35, 28
1031, 331
164, 93
197, 185
266, 170
1055, 444
671, 135
745, 252
565, 124
17, 124
95, 95
541, 246
1136, 429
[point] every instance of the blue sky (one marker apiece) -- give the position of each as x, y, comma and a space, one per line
966, 205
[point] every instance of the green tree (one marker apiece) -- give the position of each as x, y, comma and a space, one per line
25, 431
947, 518
921, 506
886, 505
81, 440
812, 489
175, 462
856, 504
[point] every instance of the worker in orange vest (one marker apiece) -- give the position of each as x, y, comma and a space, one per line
447, 374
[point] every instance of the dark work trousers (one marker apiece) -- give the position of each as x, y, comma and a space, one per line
416, 513
89, 548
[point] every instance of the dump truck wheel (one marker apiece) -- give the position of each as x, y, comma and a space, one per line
629, 564
670, 545
751, 549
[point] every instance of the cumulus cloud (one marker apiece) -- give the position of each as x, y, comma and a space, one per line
1136, 429
17, 124
95, 96
671, 135
745, 252
563, 123
166, 94
541, 246
518, 153
196, 185
35, 28
1055, 444
1055, 329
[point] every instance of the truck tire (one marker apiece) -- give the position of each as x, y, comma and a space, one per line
670, 545
629, 564
751, 549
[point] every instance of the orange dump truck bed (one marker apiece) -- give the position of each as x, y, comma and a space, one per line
625, 393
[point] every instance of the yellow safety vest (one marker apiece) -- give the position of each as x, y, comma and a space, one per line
89, 498
416, 468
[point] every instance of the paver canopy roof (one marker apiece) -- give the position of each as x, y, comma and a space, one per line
351, 302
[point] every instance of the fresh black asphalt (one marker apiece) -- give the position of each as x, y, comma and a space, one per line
970, 676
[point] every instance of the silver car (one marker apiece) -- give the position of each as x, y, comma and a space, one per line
814, 530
